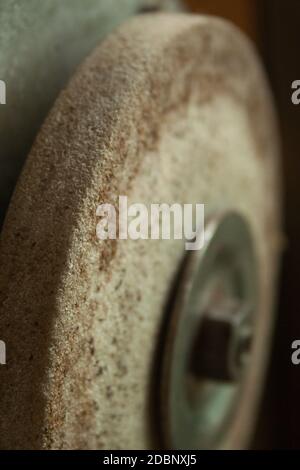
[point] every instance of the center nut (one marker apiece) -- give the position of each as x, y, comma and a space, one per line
209, 336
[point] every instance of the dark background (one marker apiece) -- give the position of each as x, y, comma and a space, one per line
280, 33
274, 25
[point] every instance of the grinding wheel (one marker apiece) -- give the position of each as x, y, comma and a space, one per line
169, 108
41, 45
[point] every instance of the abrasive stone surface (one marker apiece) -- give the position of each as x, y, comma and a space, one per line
169, 108
41, 44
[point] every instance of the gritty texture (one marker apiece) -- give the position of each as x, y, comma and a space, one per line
169, 108
42, 42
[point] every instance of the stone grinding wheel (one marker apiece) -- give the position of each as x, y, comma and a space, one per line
169, 108
41, 45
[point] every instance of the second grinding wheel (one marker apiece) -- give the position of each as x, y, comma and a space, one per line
170, 108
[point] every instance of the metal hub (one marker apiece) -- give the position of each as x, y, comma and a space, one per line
208, 342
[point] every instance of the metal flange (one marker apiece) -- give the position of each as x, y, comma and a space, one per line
208, 342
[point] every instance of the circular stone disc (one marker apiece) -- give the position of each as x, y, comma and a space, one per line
41, 45
169, 108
